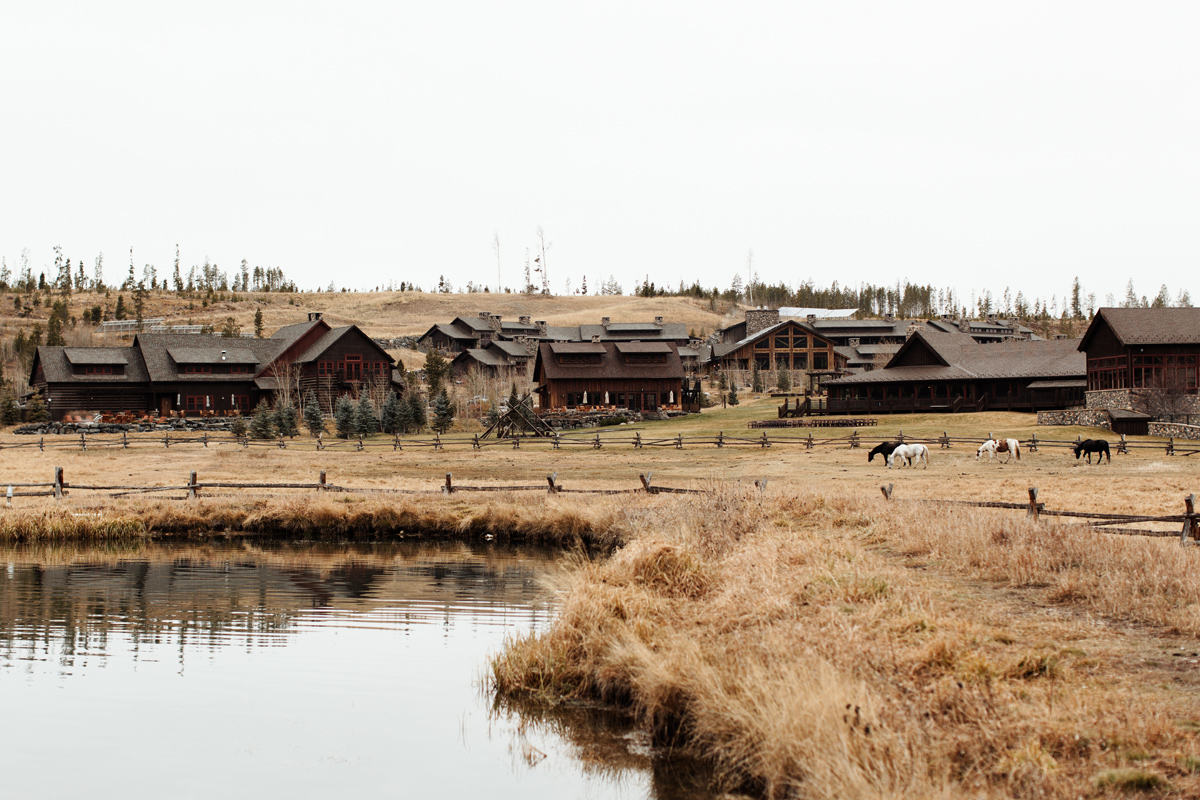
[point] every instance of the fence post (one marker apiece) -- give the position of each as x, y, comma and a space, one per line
437, 441
720, 438
887, 491
900, 438
596, 444
321, 482
1033, 443
556, 441
192, 488
124, 440
1191, 530
83, 442
1122, 447
765, 441
204, 438
282, 444
516, 443
8, 497
552, 479
679, 441
396, 441
808, 445
58, 483
321, 441
645, 479
1171, 446
637, 440
475, 443
945, 440
41, 443
167, 440
1033, 503
449, 487
360, 444
761, 484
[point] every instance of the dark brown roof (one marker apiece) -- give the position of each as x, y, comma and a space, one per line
611, 365
1133, 326
97, 355
577, 347
1009, 359
331, 336
208, 355
290, 333
57, 368
155, 349
481, 355
643, 347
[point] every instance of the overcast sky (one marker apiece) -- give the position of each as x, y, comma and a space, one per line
954, 143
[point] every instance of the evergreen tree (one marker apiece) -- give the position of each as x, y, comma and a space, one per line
406, 417
343, 417
390, 414
239, 427
314, 420
436, 369
35, 408
493, 415
733, 397
443, 413
755, 378
287, 420
364, 416
54, 334
258, 321
262, 426
417, 409
784, 382
120, 313
9, 415
722, 384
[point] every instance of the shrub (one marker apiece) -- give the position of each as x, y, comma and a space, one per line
287, 421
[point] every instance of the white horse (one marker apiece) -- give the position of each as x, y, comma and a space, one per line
994, 447
907, 453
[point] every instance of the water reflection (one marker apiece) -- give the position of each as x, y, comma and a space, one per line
297, 670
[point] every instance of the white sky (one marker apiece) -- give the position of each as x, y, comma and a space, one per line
954, 143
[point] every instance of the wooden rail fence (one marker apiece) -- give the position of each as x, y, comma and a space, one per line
1102, 521
59, 488
589, 441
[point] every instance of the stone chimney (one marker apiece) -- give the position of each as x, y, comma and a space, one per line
854, 341
530, 344
889, 317
595, 338
525, 319
494, 321
912, 328
811, 319
313, 316
658, 320
541, 326
760, 318
964, 324
485, 315
605, 320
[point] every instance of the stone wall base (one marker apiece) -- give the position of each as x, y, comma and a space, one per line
1089, 417
1175, 429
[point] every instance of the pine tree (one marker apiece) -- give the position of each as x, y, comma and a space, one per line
343, 417
364, 416
120, 313
435, 370
258, 322
239, 427
35, 408
443, 413
9, 415
287, 420
54, 334
314, 420
406, 417
417, 409
262, 426
733, 397
755, 378
390, 414
784, 381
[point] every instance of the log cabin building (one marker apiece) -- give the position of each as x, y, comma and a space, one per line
499, 359
200, 374
639, 376
464, 333
763, 339
1144, 360
938, 371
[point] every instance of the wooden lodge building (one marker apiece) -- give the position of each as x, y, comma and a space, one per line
639, 376
763, 339
201, 374
939, 371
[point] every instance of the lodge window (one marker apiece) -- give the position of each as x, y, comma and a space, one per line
239, 369
800, 342
199, 403
1169, 372
820, 361
1107, 373
646, 358
762, 344
781, 342
105, 369
195, 369
800, 361
579, 358
241, 402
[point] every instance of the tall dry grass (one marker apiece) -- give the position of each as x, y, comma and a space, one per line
816, 646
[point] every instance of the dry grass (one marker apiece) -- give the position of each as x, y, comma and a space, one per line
796, 644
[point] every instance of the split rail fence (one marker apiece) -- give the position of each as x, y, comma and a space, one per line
593, 441
60, 488
1102, 522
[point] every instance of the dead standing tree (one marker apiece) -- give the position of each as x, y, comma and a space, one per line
1171, 396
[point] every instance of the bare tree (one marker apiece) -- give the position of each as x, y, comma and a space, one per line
1169, 396
496, 247
287, 383
544, 246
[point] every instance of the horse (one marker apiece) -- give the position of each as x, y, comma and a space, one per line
885, 449
1089, 446
994, 447
907, 452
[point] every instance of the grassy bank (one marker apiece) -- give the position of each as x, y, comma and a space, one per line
819, 645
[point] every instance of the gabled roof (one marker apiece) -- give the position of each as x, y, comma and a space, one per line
451, 331
1015, 358
512, 349
290, 333
722, 350
610, 366
576, 347
643, 347
482, 355
57, 369
97, 355
162, 367
1134, 326
330, 338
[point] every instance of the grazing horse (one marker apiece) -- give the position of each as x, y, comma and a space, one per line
884, 450
1089, 446
993, 447
907, 452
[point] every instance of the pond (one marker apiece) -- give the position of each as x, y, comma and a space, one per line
242, 669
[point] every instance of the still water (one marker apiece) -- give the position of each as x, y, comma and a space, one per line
238, 670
